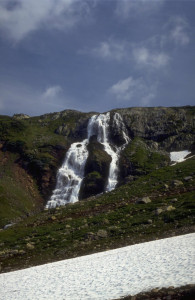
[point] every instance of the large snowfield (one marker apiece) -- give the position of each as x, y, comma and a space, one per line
107, 275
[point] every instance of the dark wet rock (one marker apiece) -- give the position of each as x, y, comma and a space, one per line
96, 170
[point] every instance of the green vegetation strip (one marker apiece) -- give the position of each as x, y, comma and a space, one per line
106, 221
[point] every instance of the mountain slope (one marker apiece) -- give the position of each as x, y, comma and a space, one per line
107, 221
39, 145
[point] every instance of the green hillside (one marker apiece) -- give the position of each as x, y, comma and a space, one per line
111, 220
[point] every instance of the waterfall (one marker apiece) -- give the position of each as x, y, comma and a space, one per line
70, 175
100, 128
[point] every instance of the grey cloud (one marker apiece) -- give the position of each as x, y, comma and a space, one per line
52, 91
133, 90
179, 30
21, 98
108, 50
18, 20
125, 8
147, 58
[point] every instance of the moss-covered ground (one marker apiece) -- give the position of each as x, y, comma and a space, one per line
106, 221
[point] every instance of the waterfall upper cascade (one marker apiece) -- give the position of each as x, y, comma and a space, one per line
71, 174
99, 126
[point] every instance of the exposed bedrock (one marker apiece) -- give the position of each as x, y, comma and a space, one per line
172, 128
96, 170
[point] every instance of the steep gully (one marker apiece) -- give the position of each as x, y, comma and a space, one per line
71, 174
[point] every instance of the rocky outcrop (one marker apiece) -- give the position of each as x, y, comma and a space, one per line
20, 116
96, 170
172, 128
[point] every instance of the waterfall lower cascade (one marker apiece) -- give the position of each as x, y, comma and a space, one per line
71, 174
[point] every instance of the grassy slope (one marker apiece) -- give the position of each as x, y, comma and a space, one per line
19, 194
32, 142
104, 222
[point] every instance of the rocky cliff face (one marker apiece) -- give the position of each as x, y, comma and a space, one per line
172, 128
96, 170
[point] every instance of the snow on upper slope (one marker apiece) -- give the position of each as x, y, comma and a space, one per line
179, 156
107, 275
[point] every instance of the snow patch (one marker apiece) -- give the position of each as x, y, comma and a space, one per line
107, 275
179, 156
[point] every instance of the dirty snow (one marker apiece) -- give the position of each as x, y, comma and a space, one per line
179, 156
107, 275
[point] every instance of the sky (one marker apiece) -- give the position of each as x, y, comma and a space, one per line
95, 55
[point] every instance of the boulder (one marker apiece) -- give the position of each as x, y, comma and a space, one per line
159, 211
170, 208
30, 246
177, 183
143, 200
188, 178
102, 233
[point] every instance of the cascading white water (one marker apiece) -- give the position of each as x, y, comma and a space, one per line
99, 126
70, 175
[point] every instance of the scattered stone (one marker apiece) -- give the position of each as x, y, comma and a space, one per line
53, 218
30, 246
90, 236
170, 208
149, 221
159, 211
156, 290
177, 182
8, 225
102, 233
68, 226
143, 200
113, 228
84, 226
166, 186
174, 200
21, 252
188, 178
106, 221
